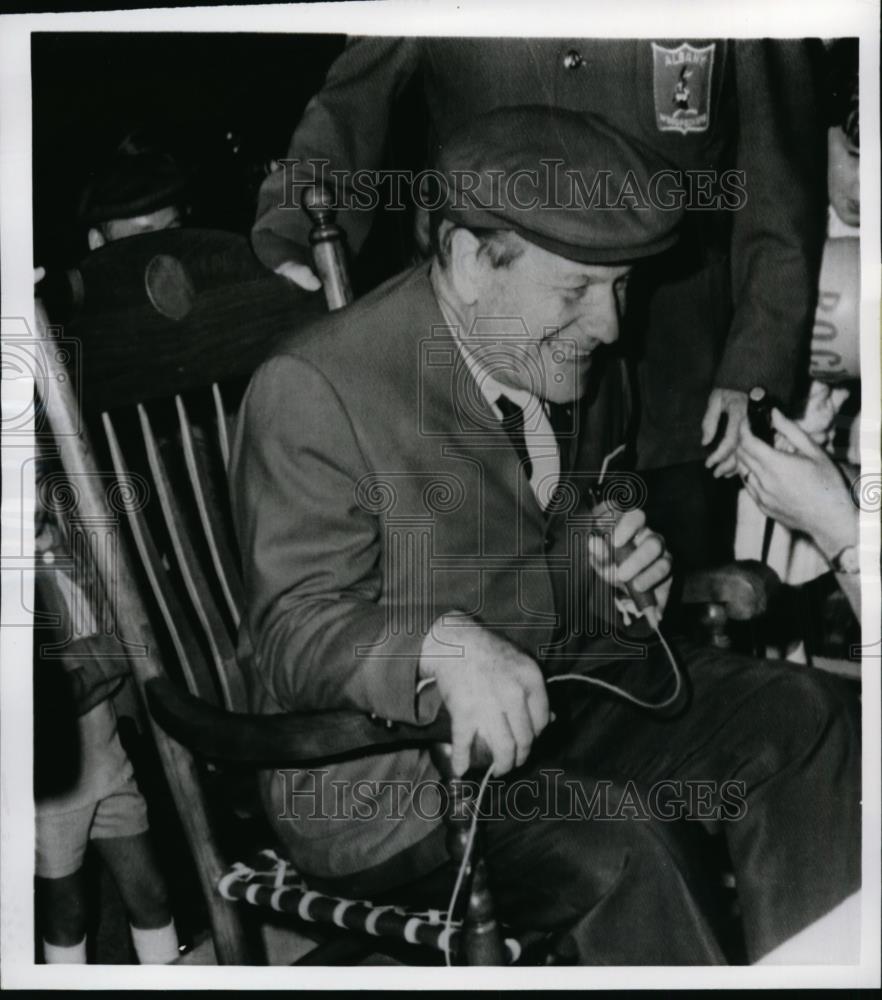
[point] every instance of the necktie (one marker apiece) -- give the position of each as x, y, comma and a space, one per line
560, 416
513, 422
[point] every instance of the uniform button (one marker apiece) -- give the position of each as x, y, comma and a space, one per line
573, 59
549, 542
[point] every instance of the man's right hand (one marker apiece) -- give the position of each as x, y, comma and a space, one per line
300, 274
491, 689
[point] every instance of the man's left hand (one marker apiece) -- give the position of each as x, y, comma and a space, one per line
733, 403
647, 568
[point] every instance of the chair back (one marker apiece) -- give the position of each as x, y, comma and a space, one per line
161, 374
139, 404
162, 369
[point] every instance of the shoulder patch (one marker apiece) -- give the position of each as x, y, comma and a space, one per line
681, 80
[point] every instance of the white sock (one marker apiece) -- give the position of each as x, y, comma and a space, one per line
57, 954
155, 945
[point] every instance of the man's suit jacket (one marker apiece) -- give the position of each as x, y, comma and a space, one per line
733, 306
374, 489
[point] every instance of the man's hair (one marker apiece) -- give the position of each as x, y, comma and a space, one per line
842, 88
499, 245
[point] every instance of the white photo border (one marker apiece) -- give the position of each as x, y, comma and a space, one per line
625, 19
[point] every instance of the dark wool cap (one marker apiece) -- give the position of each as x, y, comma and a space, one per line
567, 181
132, 184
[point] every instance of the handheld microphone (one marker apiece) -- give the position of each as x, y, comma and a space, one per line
643, 599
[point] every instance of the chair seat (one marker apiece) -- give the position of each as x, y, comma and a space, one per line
271, 882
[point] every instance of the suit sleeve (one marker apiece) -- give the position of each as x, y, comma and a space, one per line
311, 556
778, 234
346, 126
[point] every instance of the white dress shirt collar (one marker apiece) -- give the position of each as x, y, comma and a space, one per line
539, 436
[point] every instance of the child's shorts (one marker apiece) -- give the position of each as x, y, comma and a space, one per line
105, 803
62, 838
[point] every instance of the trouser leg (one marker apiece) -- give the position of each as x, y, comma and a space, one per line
618, 892
796, 852
608, 892
629, 890
790, 737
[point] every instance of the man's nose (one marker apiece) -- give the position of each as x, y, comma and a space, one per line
602, 322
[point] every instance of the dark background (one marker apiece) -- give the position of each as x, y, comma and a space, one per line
226, 104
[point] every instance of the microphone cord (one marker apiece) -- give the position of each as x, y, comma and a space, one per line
476, 808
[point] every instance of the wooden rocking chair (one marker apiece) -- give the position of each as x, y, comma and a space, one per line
150, 388
148, 403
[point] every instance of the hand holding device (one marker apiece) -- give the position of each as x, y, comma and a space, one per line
759, 415
494, 692
633, 557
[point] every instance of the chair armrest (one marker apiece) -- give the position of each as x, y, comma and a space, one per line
295, 738
745, 588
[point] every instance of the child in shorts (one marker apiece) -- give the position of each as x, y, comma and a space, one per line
104, 806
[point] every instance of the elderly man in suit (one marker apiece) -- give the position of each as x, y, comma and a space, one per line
729, 308
418, 491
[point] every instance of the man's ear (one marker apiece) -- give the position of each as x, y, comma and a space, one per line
465, 265
96, 239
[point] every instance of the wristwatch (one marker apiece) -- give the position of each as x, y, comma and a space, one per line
847, 560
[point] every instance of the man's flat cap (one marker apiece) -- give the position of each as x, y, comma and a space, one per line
569, 182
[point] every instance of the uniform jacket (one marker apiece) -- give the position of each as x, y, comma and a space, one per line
733, 307
374, 489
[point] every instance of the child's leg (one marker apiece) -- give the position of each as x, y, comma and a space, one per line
121, 835
61, 882
61, 905
132, 862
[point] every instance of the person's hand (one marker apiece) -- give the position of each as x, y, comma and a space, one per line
733, 403
491, 689
823, 404
799, 485
300, 274
647, 568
